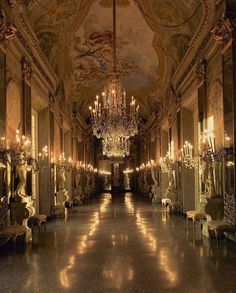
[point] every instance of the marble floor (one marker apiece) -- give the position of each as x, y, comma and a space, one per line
119, 244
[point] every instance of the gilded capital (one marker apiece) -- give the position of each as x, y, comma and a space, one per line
225, 30
26, 69
7, 29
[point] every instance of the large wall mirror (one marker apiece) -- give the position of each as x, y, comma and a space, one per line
13, 122
228, 120
202, 115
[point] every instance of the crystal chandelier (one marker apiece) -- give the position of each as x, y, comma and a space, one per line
116, 146
111, 116
112, 120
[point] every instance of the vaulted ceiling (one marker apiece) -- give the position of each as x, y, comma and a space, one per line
152, 38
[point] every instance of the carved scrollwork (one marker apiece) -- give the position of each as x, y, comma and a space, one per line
7, 29
12, 3
26, 69
225, 30
201, 71
51, 101
60, 92
171, 92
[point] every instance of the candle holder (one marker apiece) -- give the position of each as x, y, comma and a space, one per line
207, 146
70, 165
187, 156
128, 171
167, 163
43, 159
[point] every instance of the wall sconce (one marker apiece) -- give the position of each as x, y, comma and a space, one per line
43, 158
187, 156
128, 171
167, 163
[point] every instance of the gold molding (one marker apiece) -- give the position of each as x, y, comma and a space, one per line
225, 31
27, 71
201, 71
7, 29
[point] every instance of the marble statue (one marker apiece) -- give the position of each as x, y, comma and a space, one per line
127, 181
116, 177
171, 179
210, 183
62, 179
21, 168
62, 194
171, 191
78, 189
156, 190
22, 173
88, 184
208, 178
77, 180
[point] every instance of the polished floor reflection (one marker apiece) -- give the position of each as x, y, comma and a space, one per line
119, 244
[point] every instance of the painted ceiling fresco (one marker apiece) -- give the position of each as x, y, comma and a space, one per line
76, 36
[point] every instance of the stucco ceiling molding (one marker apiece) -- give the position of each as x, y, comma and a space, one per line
198, 41
31, 44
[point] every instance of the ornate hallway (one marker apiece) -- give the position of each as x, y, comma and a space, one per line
119, 244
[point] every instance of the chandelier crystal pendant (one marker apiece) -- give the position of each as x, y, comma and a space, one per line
116, 147
112, 120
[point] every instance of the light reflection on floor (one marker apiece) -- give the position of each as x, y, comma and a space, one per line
119, 244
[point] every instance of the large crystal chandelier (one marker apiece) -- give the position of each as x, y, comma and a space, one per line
113, 120
111, 116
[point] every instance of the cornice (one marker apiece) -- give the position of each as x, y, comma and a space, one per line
201, 37
30, 43
225, 30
